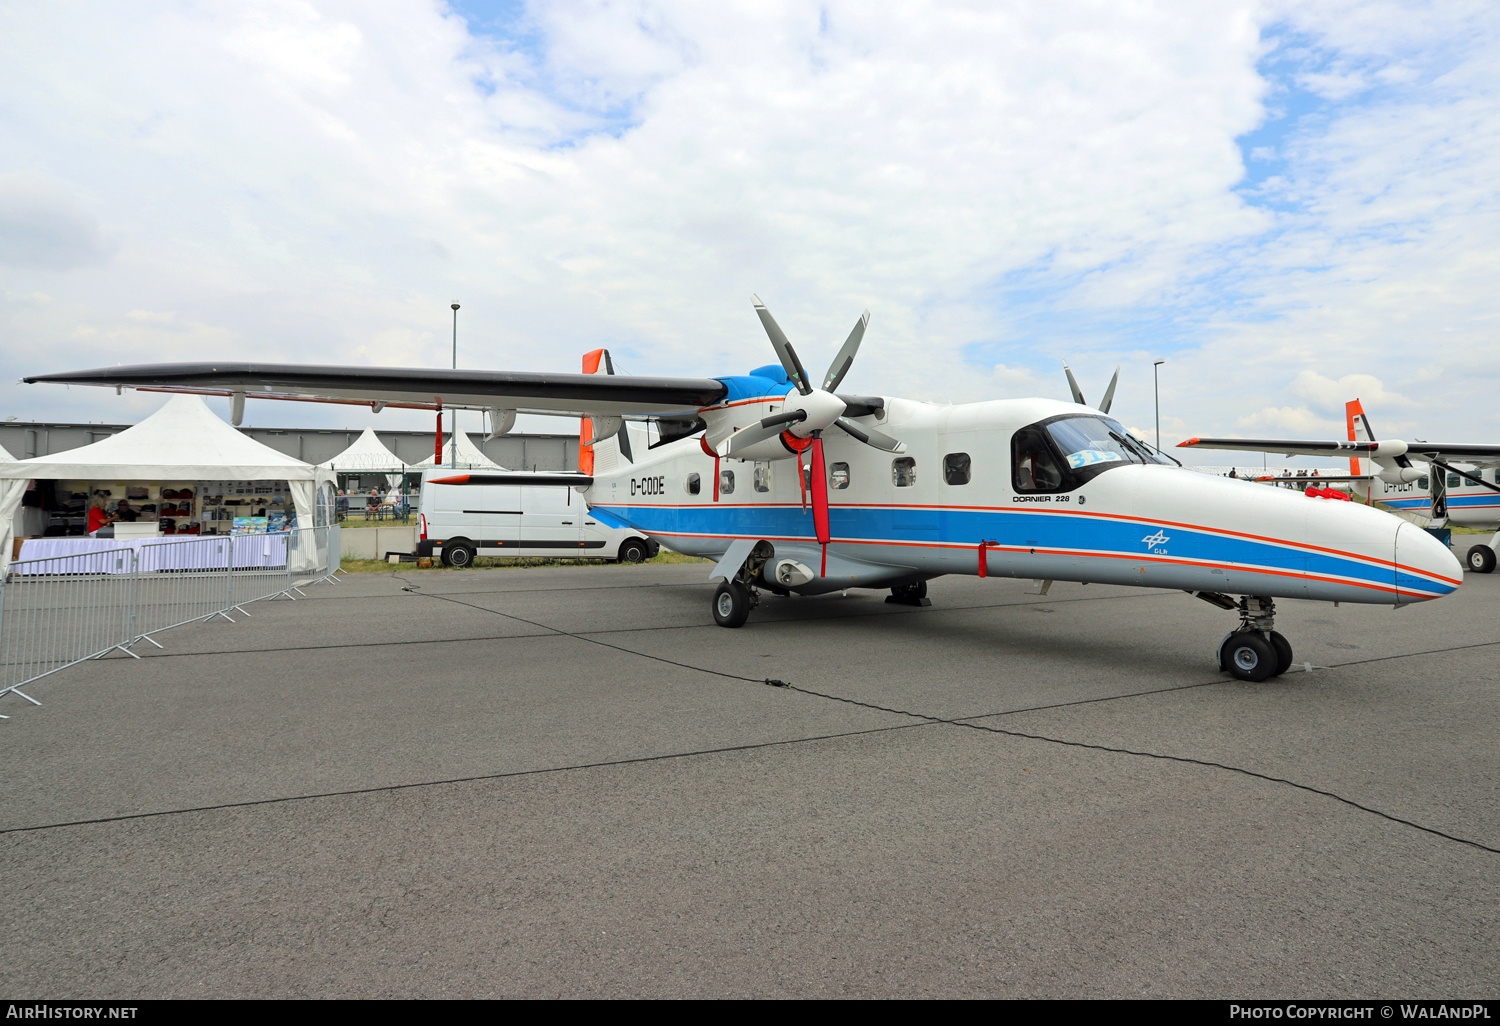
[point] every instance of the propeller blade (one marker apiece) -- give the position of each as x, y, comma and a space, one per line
870, 436
1109, 393
819, 485
841, 363
784, 351
1073, 384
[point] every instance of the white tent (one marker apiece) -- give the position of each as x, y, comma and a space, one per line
182, 441
469, 455
367, 453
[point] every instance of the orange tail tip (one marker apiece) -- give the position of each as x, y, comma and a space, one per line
1353, 409
591, 361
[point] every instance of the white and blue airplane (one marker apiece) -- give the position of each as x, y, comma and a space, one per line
792, 487
1451, 483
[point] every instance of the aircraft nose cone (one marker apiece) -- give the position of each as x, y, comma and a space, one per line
1425, 568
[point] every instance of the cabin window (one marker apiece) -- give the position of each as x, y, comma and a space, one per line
1455, 481
762, 478
956, 468
904, 471
726, 482
1422, 481
694, 484
838, 475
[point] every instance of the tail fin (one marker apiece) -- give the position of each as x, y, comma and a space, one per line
606, 452
1359, 431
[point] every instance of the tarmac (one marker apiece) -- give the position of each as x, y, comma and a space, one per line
567, 782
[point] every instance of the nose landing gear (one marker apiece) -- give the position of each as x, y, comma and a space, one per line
1255, 651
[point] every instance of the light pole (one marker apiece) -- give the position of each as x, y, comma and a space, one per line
454, 462
1156, 383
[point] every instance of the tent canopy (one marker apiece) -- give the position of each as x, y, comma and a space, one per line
367, 453
182, 441
469, 454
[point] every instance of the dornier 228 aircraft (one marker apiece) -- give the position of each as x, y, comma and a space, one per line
793, 487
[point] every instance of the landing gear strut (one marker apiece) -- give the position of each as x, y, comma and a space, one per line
733, 599
1255, 651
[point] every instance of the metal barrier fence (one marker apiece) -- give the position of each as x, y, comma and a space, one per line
61, 610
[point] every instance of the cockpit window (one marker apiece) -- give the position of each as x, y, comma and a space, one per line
1060, 454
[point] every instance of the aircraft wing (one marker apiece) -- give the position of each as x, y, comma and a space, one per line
1441, 452
1484, 455
422, 387
1288, 447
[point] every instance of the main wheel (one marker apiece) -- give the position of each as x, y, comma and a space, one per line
1482, 559
731, 604
632, 551
1248, 656
910, 594
458, 555
1283, 649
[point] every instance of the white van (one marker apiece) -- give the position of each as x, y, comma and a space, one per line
515, 513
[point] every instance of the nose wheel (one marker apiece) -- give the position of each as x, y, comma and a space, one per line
1255, 651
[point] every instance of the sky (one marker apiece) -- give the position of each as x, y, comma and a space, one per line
1292, 204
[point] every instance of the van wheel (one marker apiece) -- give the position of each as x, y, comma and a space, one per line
458, 556
633, 551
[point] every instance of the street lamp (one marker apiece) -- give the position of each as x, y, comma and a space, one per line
1156, 381
455, 367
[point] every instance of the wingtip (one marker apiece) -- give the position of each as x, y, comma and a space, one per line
1190, 442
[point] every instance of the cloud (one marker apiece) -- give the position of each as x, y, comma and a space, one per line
1328, 394
43, 226
1013, 381
1290, 421
1001, 186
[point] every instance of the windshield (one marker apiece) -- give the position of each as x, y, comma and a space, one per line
1059, 455
1087, 441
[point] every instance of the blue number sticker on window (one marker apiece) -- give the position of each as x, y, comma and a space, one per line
1088, 457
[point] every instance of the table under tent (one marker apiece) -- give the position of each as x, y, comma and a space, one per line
182, 470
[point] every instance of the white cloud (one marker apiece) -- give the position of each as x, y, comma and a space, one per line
1289, 421
1013, 381
1328, 394
1001, 186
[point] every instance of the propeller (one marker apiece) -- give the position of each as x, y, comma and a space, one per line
1109, 393
813, 412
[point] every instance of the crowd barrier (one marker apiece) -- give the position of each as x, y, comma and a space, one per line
61, 610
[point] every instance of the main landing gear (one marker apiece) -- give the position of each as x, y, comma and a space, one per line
1254, 650
914, 594
733, 599
1482, 559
